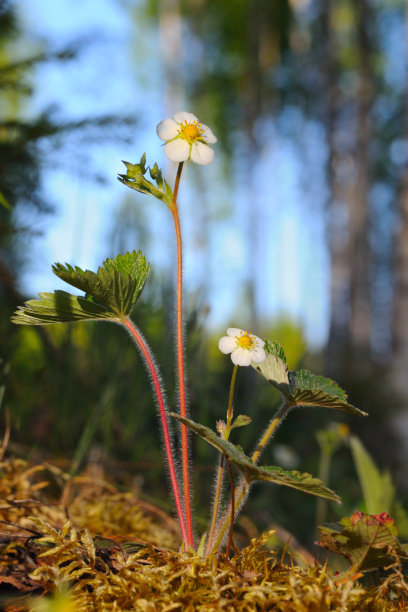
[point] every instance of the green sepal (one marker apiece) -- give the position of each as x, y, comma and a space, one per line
368, 541
252, 472
241, 421
135, 179
110, 293
302, 388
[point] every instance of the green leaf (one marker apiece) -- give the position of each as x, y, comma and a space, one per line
241, 421
300, 387
59, 307
110, 293
309, 389
117, 284
368, 541
252, 472
274, 368
135, 179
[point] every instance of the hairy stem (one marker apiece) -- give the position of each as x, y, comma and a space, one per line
217, 494
144, 349
180, 361
231, 529
242, 489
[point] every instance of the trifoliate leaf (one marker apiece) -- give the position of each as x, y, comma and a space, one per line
368, 541
135, 179
110, 293
301, 387
241, 421
117, 284
252, 472
59, 307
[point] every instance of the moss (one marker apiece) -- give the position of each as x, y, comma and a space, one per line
99, 549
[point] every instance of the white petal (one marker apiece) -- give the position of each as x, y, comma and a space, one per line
167, 129
259, 342
201, 154
184, 116
258, 354
227, 345
241, 357
208, 135
234, 331
177, 150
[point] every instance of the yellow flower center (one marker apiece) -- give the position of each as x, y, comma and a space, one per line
246, 341
191, 131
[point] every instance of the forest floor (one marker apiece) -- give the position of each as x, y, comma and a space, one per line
79, 544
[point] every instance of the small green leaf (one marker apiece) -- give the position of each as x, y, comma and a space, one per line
110, 293
252, 472
241, 421
300, 387
201, 546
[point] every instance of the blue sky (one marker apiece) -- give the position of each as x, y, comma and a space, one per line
288, 255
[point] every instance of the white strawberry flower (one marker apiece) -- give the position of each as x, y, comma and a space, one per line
186, 139
243, 346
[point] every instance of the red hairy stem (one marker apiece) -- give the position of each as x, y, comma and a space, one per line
163, 416
180, 360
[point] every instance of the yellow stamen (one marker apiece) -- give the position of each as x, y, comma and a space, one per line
191, 131
246, 341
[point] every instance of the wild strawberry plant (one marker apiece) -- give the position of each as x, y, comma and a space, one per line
111, 293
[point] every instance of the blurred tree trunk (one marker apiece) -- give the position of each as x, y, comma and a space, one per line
399, 359
349, 126
359, 224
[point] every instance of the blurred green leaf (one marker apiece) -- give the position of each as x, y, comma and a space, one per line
377, 487
3, 201
252, 472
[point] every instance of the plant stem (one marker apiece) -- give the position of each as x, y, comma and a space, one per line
270, 430
217, 495
163, 416
180, 361
323, 475
243, 487
230, 409
231, 530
